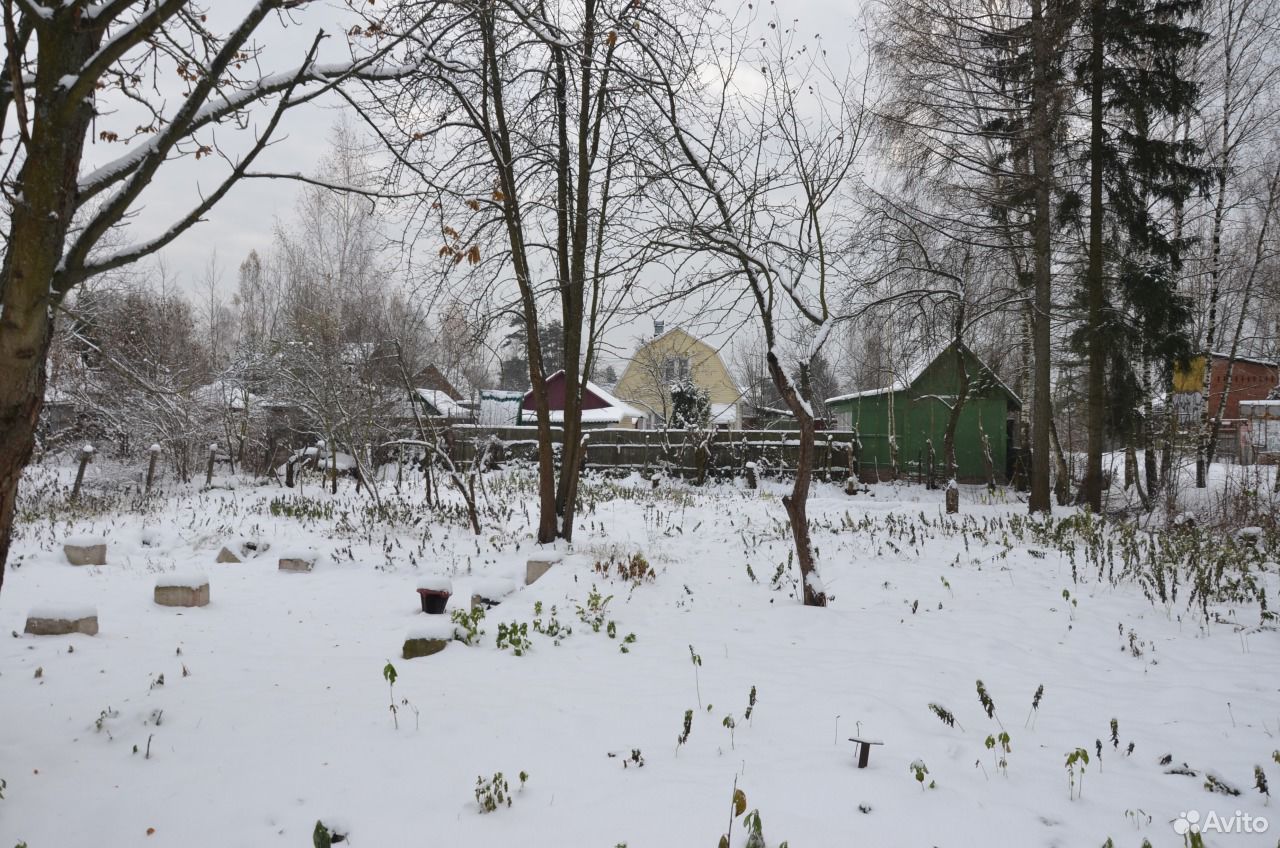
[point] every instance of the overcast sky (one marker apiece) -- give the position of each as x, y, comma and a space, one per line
244, 220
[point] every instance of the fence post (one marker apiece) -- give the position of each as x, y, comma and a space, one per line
154, 450
86, 454
208, 470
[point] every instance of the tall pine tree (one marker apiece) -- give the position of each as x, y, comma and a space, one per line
1130, 70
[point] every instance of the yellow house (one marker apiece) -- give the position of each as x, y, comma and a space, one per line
669, 358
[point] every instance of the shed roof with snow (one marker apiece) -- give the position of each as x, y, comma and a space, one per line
599, 405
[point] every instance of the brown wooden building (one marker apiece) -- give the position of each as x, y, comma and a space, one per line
1251, 379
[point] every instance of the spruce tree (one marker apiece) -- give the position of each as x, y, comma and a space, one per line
1130, 70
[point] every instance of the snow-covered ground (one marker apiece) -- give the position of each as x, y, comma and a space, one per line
268, 709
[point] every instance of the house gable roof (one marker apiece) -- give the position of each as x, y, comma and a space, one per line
912, 374
440, 405
429, 377
598, 404
688, 344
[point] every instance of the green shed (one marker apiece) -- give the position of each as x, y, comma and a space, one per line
916, 407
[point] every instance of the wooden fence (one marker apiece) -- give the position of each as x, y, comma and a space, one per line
724, 453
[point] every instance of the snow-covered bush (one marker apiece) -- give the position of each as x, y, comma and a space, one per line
690, 406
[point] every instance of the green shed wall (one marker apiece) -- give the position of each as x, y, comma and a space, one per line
920, 415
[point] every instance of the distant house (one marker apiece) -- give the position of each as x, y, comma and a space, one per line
916, 406
430, 378
436, 403
58, 413
669, 358
600, 408
1263, 430
1251, 379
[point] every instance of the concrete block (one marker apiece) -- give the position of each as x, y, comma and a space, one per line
62, 623
86, 552
182, 594
538, 566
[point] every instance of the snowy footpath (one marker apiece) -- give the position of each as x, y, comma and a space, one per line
989, 656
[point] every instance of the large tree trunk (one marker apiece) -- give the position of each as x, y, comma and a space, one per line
953, 422
1151, 469
22, 381
1168, 436
41, 213
1204, 445
514, 221
1021, 473
1062, 472
1095, 283
1042, 96
797, 502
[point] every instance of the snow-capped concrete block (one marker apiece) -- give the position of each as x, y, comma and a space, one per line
297, 559
432, 637
493, 589
61, 621
414, 648
179, 590
540, 565
85, 550
427, 639
488, 592
225, 555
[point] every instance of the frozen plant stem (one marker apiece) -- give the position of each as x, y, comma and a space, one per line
697, 661
389, 673
1034, 712
688, 725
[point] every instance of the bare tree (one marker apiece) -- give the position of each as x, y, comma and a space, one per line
756, 190
67, 62
521, 136
925, 262
1239, 76
974, 107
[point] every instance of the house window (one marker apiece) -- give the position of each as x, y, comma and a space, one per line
675, 368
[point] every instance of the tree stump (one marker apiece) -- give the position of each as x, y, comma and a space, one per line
953, 498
